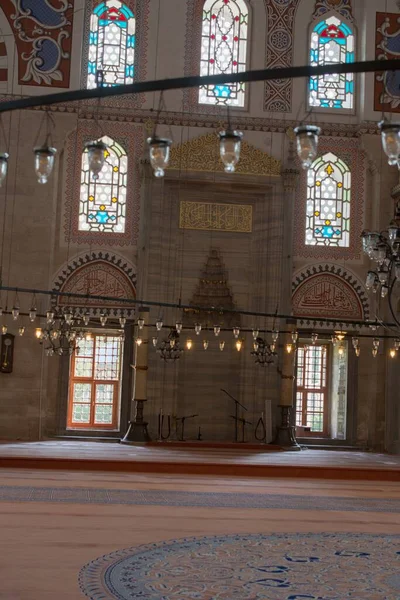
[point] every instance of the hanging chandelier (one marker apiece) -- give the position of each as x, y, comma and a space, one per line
170, 348
263, 353
59, 337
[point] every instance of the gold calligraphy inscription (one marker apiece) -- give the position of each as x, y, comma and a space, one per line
202, 154
212, 216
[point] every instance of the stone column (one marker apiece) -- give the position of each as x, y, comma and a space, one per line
285, 435
137, 430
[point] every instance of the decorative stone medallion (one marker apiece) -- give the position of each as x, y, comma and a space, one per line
283, 566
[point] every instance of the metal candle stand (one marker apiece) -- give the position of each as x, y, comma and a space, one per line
183, 419
236, 416
161, 436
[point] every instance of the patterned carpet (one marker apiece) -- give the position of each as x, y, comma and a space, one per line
79, 495
250, 567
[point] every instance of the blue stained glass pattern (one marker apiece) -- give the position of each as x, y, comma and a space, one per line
328, 202
111, 45
102, 206
332, 42
224, 49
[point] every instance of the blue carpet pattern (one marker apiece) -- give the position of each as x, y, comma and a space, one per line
77, 495
284, 566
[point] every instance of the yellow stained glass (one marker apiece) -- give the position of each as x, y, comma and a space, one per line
329, 169
115, 169
114, 199
340, 184
316, 213
318, 183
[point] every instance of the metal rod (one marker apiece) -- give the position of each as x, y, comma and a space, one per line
140, 87
211, 309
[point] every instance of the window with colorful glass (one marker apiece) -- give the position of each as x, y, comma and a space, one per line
224, 49
328, 202
102, 205
332, 42
111, 45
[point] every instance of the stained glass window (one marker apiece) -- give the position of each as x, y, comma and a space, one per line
223, 49
332, 42
102, 206
111, 45
328, 202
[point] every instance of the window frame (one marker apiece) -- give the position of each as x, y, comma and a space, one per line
116, 383
326, 390
330, 110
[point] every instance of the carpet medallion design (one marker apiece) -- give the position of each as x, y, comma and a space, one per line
283, 566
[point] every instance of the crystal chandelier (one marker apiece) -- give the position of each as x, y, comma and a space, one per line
263, 352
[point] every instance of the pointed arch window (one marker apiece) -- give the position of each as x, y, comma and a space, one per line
111, 45
332, 42
328, 202
102, 205
224, 49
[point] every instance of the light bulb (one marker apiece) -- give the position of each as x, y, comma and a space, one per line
289, 348
390, 135
88, 336
122, 321
397, 344
55, 334
178, 327
355, 341
272, 348
275, 335
375, 343
205, 344
44, 162
221, 345
15, 313
68, 316
189, 344
140, 322
159, 150
295, 336
155, 341
238, 345
236, 332
384, 291
255, 346
4, 329
392, 353
50, 317
217, 330
340, 350
307, 144
139, 341
314, 338
86, 319
96, 157
255, 334
21, 330
38, 333
103, 320
159, 324
334, 340
3, 166
357, 351
172, 343
340, 335
229, 148
32, 314
374, 352
197, 328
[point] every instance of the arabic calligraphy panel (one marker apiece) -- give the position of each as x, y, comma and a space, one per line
98, 279
326, 296
216, 217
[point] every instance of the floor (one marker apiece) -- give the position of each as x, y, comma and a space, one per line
203, 461
58, 530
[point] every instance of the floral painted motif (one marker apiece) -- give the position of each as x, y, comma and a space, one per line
43, 35
283, 566
387, 46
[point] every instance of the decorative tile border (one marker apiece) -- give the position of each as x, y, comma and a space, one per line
195, 499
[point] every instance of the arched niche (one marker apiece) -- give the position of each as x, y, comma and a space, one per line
98, 274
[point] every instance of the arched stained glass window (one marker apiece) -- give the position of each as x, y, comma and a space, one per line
223, 49
111, 45
102, 206
328, 202
332, 42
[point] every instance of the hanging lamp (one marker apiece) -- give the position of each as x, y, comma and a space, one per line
307, 144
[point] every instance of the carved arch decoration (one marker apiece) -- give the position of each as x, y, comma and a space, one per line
327, 290
43, 35
343, 7
97, 274
202, 154
141, 11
